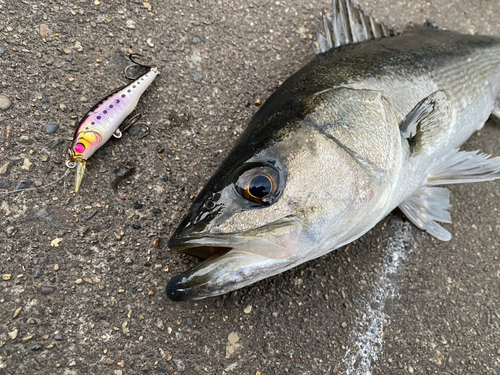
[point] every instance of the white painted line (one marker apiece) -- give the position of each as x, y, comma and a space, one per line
366, 342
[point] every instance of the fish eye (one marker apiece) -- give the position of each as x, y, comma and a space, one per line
209, 204
258, 184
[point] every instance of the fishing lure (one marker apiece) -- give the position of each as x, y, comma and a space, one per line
104, 119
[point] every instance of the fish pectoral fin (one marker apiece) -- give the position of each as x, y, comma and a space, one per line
459, 167
430, 118
425, 207
429, 204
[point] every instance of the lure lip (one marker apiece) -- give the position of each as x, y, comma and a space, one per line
80, 170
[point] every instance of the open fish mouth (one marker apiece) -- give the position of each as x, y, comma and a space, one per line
232, 261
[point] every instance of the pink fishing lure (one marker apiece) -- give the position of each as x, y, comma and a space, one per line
103, 120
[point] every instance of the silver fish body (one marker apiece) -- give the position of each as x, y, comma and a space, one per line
362, 129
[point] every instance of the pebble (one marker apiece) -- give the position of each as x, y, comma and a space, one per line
72, 364
24, 184
344, 324
156, 211
78, 46
38, 273
5, 102
58, 336
145, 368
13, 334
4, 184
179, 364
69, 58
17, 312
197, 76
134, 130
248, 309
47, 290
136, 225
5, 168
109, 361
36, 347
165, 177
130, 24
2, 51
51, 128
138, 205
202, 37
150, 42
10, 230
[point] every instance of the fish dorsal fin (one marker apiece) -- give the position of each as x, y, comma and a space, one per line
349, 24
430, 118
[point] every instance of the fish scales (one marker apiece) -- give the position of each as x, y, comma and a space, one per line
360, 130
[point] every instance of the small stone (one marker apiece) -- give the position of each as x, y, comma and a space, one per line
5, 102
257, 102
2, 50
72, 364
78, 281
109, 361
69, 58
26, 164
136, 225
165, 177
134, 130
6, 276
156, 211
10, 230
179, 364
36, 347
55, 243
17, 312
44, 30
150, 42
138, 205
51, 128
47, 290
13, 334
24, 184
344, 324
118, 372
4, 184
78, 46
202, 37
58, 336
5, 168
145, 368
196, 40
62, 106
248, 309
130, 24
67, 51
197, 76
38, 273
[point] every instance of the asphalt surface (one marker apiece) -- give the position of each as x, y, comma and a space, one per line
83, 275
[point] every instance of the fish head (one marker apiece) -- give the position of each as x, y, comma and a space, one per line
275, 202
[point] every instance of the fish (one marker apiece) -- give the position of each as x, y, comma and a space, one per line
103, 121
374, 122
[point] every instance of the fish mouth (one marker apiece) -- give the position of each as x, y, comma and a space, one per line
232, 261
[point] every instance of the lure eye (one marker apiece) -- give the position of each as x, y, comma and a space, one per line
79, 148
258, 184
